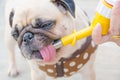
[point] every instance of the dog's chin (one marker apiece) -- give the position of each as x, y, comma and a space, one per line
37, 54
37, 57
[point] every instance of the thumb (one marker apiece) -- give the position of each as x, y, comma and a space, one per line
97, 35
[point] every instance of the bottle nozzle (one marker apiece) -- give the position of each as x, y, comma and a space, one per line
57, 44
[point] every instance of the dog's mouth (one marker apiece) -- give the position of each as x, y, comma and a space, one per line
40, 50
37, 44
47, 53
36, 54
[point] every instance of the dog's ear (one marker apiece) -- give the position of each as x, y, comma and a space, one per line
68, 5
11, 18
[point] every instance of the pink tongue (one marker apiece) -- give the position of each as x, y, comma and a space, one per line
48, 53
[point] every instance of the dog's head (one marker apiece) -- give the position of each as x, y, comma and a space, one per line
37, 23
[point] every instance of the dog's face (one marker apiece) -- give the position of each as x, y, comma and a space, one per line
36, 24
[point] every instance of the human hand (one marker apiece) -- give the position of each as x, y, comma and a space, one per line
114, 31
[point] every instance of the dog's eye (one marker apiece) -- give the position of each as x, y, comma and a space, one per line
47, 25
38, 23
44, 25
15, 33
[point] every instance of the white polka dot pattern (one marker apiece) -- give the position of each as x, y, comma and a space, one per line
66, 70
85, 56
72, 64
50, 70
79, 66
72, 73
77, 56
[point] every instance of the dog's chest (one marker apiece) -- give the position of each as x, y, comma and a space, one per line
67, 67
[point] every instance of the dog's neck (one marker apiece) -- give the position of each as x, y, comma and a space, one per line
59, 65
82, 48
72, 64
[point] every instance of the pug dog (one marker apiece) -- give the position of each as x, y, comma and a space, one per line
34, 25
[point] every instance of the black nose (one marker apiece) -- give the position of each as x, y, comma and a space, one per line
28, 37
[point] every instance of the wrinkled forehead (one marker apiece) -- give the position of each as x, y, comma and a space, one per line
31, 9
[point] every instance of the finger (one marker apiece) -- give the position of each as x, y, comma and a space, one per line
115, 19
106, 38
97, 35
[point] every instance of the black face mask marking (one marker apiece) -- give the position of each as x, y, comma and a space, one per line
45, 25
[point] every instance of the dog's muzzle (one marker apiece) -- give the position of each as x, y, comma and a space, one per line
36, 44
